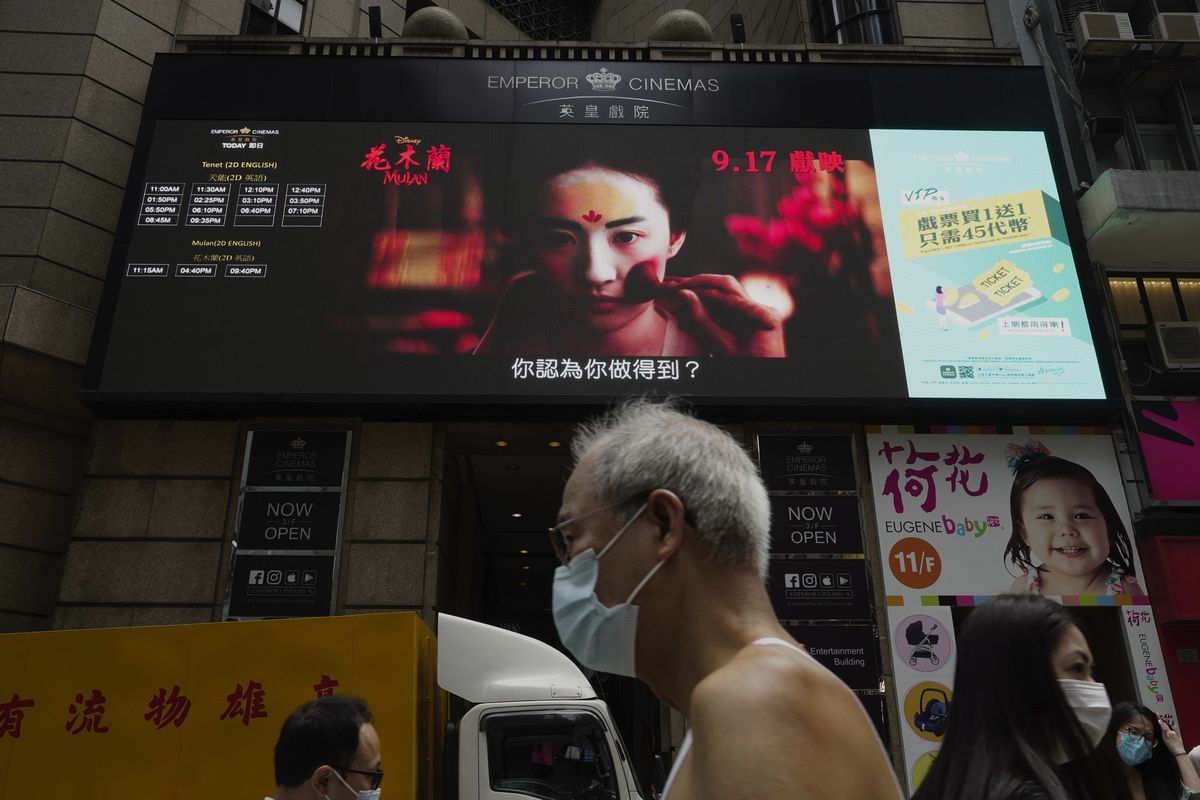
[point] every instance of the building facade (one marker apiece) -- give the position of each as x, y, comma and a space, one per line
118, 515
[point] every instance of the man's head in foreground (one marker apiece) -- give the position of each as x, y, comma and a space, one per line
328, 748
658, 504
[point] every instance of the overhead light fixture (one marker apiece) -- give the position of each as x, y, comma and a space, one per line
501, 443
525, 567
522, 583
523, 552
553, 443
517, 515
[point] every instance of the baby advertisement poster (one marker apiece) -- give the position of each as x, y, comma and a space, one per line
966, 513
986, 289
979, 514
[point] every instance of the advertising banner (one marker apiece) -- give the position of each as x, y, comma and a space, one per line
281, 585
825, 589
186, 711
1146, 654
987, 301
810, 525
1168, 431
807, 462
644, 229
312, 459
944, 504
965, 514
287, 536
289, 521
923, 658
849, 651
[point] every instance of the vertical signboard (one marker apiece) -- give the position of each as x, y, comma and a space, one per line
287, 538
945, 501
817, 578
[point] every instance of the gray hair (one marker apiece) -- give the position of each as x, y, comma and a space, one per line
641, 446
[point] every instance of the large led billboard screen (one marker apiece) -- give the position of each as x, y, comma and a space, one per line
506, 230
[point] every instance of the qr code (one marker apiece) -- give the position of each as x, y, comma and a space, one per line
966, 372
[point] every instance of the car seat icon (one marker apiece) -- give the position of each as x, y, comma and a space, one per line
922, 643
932, 713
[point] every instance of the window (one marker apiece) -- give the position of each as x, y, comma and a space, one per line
853, 22
557, 756
1161, 146
1127, 299
1160, 294
1189, 292
273, 17
1140, 301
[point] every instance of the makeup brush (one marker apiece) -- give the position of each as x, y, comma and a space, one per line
641, 286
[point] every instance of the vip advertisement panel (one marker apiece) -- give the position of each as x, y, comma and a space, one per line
987, 298
965, 514
571, 230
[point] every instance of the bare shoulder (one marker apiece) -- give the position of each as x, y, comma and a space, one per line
775, 723
755, 673
792, 692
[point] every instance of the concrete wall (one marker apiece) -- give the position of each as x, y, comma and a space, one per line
767, 21
151, 539
390, 556
75, 74
936, 23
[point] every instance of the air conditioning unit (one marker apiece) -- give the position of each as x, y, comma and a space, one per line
1176, 345
1103, 34
1177, 34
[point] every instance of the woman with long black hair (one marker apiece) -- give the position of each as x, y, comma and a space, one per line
1153, 757
1027, 713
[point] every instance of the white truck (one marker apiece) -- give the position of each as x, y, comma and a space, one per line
536, 728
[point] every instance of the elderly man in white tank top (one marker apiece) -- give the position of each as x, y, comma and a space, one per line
663, 533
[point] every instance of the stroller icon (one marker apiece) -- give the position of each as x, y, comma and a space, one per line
922, 643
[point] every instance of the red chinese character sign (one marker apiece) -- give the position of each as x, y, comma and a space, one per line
403, 164
965, 514
12, 713
78, 708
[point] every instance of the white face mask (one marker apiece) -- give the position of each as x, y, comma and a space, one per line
363, 794
603, 639
1089, 701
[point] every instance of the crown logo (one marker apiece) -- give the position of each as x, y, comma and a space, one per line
298, 443
245, 130
603, 81
805, 448
961, 156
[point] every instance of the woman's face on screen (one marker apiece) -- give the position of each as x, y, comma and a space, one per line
595, 225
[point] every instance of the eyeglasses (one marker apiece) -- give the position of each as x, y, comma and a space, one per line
1132, 731
376, 776
558, 541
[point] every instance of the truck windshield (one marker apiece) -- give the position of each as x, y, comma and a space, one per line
555, 756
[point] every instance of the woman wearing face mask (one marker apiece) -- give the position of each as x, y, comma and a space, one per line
1027, 712
1153, 757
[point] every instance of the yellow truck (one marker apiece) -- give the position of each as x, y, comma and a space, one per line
192, 711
